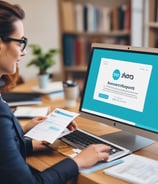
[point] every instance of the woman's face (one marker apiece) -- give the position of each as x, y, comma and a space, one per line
10, 53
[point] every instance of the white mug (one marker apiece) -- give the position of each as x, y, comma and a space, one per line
71, 93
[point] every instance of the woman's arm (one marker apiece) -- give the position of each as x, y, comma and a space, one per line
13, 164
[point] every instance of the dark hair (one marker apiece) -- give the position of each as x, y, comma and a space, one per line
9, 14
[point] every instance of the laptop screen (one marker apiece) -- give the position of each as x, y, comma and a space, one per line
122, 85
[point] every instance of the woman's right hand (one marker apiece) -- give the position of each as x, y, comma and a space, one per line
91, 155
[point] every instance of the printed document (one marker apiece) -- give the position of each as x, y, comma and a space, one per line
136, 169
50, 129
30, 112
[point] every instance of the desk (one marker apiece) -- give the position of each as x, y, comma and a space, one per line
43, 160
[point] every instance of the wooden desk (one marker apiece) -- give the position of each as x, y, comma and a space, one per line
43, 160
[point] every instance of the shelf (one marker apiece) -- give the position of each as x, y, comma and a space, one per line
103, 2
76, 69
153, 24
111, 33
83, 22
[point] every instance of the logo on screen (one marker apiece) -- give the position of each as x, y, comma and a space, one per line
127, 76
116, 74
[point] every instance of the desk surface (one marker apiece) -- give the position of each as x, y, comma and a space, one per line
43, 160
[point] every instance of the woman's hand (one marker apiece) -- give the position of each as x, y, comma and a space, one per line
30, 124
42, 145
91, 155
72, 126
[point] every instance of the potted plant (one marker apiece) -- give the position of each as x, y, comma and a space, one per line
43, 61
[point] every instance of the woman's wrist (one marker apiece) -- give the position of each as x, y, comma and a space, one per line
78, 162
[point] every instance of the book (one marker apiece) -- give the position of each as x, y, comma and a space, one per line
91, 20
69, 49
80, 51
121, 16
68, 16
21, 98
79, 17
85, 18
106, 19
115, 20
127, 17
156, 11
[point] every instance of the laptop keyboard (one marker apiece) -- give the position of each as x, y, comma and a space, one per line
81, 140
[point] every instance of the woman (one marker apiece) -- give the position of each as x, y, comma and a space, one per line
14, 147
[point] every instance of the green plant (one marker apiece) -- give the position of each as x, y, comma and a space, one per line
42, 60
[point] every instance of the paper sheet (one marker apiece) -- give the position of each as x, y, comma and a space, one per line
30, 112
53, 126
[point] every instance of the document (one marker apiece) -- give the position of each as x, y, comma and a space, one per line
136, 169
50, 129
54, 87
30, 112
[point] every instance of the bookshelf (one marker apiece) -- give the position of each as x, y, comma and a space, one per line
153, 23
83, 22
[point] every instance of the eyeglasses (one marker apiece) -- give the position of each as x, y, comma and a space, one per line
23, 41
